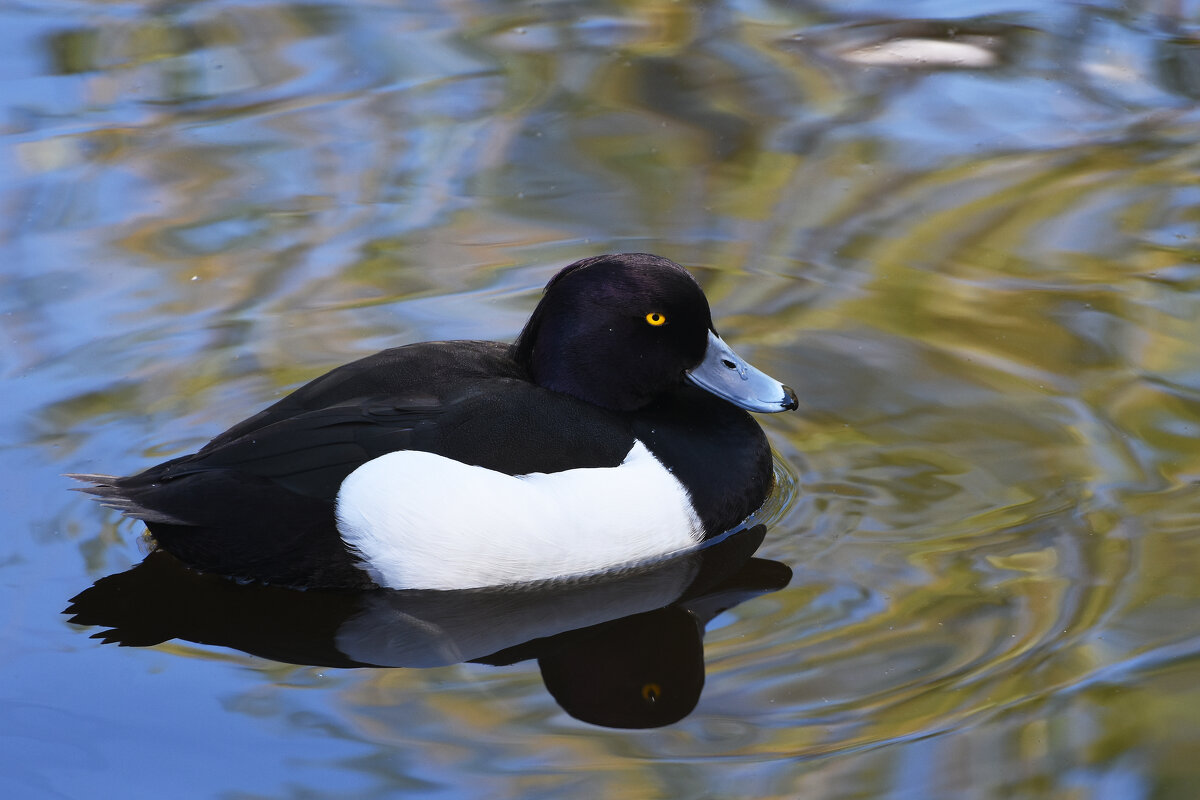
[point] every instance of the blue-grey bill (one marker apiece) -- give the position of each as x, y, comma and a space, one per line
730, 377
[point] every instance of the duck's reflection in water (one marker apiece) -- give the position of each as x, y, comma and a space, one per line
621, 650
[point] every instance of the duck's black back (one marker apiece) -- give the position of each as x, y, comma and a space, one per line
258, 501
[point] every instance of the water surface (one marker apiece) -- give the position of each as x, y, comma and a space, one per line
967, 235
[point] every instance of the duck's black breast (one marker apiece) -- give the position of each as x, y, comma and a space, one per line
716, 450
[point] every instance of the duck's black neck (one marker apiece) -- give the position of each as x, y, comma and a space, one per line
715, 449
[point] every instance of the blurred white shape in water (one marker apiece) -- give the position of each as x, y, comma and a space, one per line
975, 52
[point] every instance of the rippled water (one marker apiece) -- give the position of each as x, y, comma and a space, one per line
967, 236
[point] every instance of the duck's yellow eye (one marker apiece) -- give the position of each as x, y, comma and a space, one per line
651, 692
655, 318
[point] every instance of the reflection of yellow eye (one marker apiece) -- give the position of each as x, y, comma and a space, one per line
651, 692
655, 318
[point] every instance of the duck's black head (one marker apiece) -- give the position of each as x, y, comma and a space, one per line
620, 330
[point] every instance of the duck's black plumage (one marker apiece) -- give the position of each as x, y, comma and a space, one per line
587, 377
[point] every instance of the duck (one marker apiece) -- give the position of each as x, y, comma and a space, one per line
614, 431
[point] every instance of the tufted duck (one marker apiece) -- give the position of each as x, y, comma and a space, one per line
609, 433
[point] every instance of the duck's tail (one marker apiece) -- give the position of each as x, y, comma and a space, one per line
121, 494
236, 524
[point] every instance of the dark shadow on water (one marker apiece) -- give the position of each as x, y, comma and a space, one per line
622, 650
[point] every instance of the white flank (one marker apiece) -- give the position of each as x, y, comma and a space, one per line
423, 521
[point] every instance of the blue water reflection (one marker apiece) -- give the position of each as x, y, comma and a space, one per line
621, 650
980, 277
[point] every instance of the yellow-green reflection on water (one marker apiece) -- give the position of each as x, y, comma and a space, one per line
980, 275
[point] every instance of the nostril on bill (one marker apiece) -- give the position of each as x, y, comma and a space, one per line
728, 363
